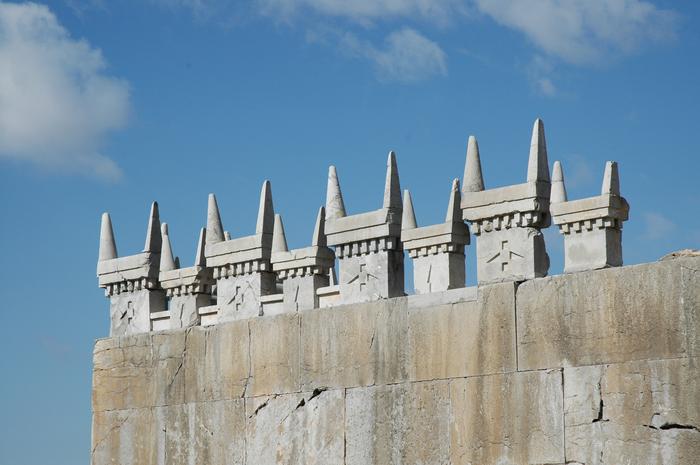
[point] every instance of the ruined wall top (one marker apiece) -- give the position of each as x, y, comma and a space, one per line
360, 258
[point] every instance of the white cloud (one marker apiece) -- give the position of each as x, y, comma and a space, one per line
365, 11
56, 102
406, 56
657, 226
582, 31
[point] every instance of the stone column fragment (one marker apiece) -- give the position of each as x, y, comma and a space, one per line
438, 250
592, 227
187, 289
131, 282
367, 245
507, 220
241, 266
302, 271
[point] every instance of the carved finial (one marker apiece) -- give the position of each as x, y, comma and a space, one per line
454, 211
558, 193
199, 258
266, 211
167, 262
153, 239
108, 247
214, 226
473, 178
538, 166
408, 217
335, 207
279, 241
319, 237
392, 188
611, 179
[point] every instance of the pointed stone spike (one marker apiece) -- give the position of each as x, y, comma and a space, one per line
558, 193
266, 211
335, 207
408, 216
319, 237
167, 262
154, 241
611, 179
279, 240
108, 247
392, 188
537, 165
199, 258
214, 226
473, 178
454, 211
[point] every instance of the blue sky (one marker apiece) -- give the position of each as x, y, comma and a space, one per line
108, 105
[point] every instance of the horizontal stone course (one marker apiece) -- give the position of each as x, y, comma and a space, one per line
606, 376
640, 312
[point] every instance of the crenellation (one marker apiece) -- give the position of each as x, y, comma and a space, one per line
592, 227
507, 221
256, 275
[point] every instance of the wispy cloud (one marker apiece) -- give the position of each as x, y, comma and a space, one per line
583, 31
657, 226
366, 11
58, 102
405, 56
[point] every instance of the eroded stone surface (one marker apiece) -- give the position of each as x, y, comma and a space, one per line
637, 412
302, 429
406, 424
274, 351
466, 338
640, 312
354, 345
509, 419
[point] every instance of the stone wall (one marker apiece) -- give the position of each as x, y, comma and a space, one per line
598, 367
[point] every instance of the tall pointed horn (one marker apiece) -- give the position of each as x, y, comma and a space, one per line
319, 237
408, 216
473, 177
454, 211
108, 246
266, 211
537, 165
167, 261
279, 240
154, 241
392, 187
558, 193
335, 207
214, 226
199, 258
611, 179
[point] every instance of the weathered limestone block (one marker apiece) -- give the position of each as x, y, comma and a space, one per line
124, 437
274, 352
466, 338
645, 412
354, 345
187, 289
509, 419
367, 245
438, 250
592, 227
241, 266
638, 312
142, 370
217, 362
406, 424
201, 433
131, 282
507, 220
302, 429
